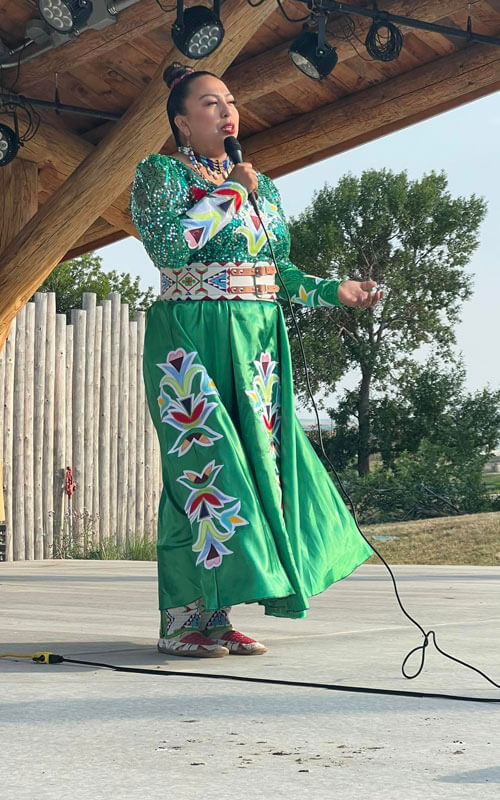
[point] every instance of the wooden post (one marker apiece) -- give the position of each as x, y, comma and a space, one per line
96, 417
18, 442
9, 352
140, 317
48, 428
2, 406
69, 417
122, 462
60, 411
89, 306
38, 401
78, 319
105, 421
132, 431
19, 192
115, 400
29, 410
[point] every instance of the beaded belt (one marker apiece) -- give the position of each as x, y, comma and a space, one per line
219, 280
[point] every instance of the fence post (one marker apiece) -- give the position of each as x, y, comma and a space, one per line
122, 484
8, 436
60, 433
18, 450
132, 431
105, 424
29, 378
78, 318
48, 427
38, 420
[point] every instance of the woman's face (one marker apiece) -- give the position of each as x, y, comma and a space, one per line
210, 116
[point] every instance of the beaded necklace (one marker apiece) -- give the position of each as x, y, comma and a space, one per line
213, 167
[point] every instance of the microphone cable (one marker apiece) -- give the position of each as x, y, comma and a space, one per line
430, 635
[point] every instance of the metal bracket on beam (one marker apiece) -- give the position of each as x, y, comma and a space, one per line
396, 19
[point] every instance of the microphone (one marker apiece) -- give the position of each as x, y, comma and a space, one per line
233, 150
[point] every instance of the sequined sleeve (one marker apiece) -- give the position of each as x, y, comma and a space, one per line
307, 290
169, 225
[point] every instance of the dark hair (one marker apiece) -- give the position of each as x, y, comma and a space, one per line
180, 92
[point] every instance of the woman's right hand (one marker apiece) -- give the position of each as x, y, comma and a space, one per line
245, 174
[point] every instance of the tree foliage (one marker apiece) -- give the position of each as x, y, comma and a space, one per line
70, 279
415, 240
429, 401
433, 438
430, 482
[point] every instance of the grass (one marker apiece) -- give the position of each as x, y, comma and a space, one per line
492, 479
137, 548
468, 539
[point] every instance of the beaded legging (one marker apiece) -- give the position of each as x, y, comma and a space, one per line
193, 617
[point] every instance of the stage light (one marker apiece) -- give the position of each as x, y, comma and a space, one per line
197, 31
313, 60
65, 16
9, 145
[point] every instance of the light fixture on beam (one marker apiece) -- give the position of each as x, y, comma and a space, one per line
311, 54
65, 16
9, 144
197, 31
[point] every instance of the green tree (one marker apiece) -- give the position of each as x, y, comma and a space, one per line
70, 279
411, 237
430, 402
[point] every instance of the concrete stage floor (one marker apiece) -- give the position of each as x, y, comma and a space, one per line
78, 732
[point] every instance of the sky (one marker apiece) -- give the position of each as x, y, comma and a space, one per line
464, 143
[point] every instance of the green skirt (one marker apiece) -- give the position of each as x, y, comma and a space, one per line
247, 513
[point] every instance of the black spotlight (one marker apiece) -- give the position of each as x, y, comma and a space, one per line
9, 145
313, 60
65, 16
197, 31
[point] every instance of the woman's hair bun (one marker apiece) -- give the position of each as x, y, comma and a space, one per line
173, 71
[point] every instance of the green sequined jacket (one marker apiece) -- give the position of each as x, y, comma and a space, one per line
183, 218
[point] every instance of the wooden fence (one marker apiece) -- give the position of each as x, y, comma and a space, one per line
73, 395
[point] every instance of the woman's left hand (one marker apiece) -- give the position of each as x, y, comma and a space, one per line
357, 294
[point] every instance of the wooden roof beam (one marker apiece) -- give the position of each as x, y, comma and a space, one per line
273, 68
65, 152
105, 173
414, 96
98, 235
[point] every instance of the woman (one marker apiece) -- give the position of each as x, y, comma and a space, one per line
247, 512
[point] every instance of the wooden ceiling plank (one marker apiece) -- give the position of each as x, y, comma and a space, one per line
370, 113
13, 16
495, 5
105, 173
